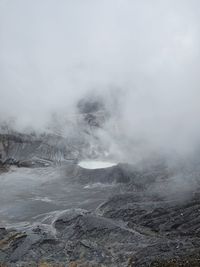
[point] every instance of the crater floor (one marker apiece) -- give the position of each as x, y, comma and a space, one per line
68, 215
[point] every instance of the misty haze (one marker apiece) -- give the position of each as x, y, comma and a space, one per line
99, 133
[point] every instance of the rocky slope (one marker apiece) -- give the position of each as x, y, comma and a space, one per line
136, 226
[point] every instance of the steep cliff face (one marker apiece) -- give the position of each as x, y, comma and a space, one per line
28, 147
72, 138
2, 151
51, 148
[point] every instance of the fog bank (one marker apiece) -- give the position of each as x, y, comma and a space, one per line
141, 56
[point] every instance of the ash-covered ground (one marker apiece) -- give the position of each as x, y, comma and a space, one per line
64, 202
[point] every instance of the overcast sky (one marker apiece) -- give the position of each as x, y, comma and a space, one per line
53, 51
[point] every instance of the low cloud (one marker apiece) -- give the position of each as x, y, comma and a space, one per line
141, 56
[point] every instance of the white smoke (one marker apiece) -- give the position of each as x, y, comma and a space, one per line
53, 52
